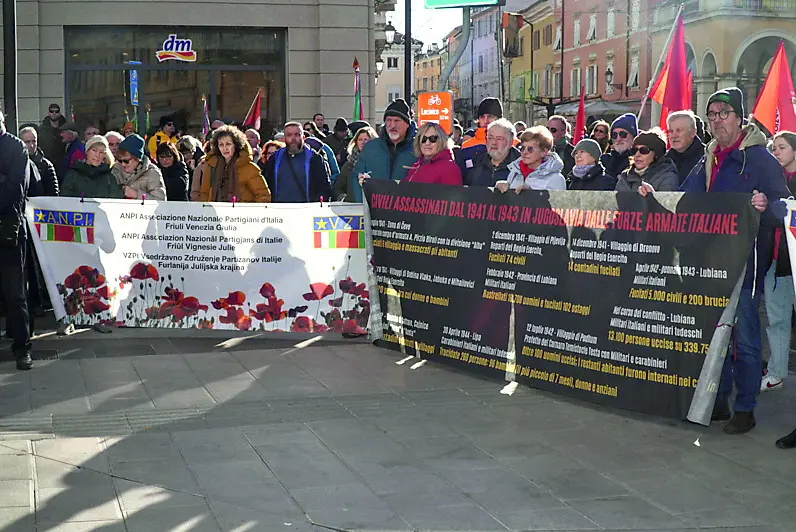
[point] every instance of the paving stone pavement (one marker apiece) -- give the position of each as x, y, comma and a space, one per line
167, 431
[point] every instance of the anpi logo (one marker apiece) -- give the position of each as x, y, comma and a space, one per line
177, 49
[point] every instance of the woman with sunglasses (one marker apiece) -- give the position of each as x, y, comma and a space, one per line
268, 151
136, 173
538, 168
435, 163
599, 133
650, 165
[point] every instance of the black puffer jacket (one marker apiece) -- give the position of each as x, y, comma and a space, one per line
661, 175
49, 181
686, 160
176, 180
595, 179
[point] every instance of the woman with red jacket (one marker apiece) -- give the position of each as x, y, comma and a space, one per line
435, 164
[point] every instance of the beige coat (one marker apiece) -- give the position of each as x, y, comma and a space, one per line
145, 179
196, 181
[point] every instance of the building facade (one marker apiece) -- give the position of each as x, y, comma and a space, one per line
428, 67
83, 55
390, 83
729, 43
486, 56
531, 73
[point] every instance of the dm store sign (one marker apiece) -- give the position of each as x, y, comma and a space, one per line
177, 49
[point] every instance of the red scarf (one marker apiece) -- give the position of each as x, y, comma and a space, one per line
525, 169
720, 155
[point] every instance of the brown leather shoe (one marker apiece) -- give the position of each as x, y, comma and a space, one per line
741, 423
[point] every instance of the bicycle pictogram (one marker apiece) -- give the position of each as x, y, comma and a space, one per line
434, 100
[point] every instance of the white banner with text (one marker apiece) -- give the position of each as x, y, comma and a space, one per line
274, 267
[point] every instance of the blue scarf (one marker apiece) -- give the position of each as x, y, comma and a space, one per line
580, 171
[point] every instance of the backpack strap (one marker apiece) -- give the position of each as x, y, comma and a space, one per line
277, 164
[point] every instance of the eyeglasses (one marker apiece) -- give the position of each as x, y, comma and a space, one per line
619, 135
723, 114
124, 161
113, 144
529, 149
553, 129
51, 111
643, 150
170, 123
431, 138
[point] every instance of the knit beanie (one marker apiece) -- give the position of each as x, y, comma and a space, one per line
134, 145
627, 122
590, 146
97, 139
400, 109
340, 125
490, 106
731, 96
653, 140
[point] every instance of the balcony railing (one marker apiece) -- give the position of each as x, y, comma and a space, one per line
778, 8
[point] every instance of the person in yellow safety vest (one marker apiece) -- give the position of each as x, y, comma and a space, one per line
166, 133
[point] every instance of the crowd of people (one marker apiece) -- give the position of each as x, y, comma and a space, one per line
308, 163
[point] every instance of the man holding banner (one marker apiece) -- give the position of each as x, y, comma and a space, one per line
737, 161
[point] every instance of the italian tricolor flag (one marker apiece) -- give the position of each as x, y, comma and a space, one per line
340, 239
65, 233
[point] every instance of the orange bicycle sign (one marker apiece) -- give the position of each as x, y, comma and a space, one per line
436, 107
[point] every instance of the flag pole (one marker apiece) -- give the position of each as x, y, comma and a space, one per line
660, 61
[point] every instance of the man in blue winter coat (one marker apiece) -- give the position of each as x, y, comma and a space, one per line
737, 161
296, 174
14, 182
390, 155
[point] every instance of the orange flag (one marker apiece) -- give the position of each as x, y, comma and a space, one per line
776, 103
672, 88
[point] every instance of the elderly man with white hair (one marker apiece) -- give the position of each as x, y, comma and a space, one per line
686, 147
493, 165
114, 138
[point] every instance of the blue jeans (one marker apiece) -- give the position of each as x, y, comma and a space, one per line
779, 298
743, 363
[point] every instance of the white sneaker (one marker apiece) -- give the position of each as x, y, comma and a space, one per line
771, 383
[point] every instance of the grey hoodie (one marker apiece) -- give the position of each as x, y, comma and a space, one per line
547, 177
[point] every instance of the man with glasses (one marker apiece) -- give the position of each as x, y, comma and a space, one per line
493, 164
623, 130
737, 161
562, 142
167, 132
49, 136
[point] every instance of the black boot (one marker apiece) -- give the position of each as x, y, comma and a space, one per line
741, 423
24, 362
721, 410
788, 442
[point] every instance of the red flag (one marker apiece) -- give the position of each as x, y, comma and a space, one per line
776, 103
672, 88
253, 116
580, 118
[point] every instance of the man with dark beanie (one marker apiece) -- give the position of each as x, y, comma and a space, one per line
489, 110
623, 130
736, 160
390, 155
338, 140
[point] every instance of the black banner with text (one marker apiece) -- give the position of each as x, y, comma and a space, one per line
606, 297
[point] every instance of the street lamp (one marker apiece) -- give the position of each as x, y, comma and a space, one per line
609, 79
389, 33
379, 66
